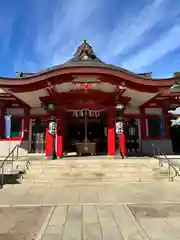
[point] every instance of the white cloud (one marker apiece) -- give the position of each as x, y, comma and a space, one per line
126, 35
6, 26
68, 26
56, 36
167, 43
22, 64
57, 29
176, 111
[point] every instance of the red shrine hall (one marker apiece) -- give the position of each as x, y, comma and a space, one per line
87, 98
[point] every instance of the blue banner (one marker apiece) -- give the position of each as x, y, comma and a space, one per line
162, 130
8, 126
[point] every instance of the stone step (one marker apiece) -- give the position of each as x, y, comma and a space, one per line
82, 172
82, 181
48, 167
111, 179
98, 174
77, 165
99, 169
18, 166
58, 170
89, 159
91, 172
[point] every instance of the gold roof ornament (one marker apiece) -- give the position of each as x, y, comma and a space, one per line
84, 52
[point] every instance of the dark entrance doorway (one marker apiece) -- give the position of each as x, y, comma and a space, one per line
38, 136
132, 138
95, 132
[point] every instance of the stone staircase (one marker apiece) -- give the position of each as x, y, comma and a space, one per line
12, 172
20, 165
87, 170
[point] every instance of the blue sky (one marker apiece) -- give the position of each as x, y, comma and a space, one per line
140, 35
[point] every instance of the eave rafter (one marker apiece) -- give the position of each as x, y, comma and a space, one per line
9, 99
165, 99
120, 89
52, 92
150, 101
19, 101
85, 97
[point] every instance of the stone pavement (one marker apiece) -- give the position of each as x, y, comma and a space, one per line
129, 211
91, 199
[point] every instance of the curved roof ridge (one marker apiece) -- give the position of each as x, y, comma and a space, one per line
106, 66
85, 57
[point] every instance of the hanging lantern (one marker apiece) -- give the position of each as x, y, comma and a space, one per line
119, 106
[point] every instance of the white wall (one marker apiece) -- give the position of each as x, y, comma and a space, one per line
157, 111
132, 111
16, 111
7, 146
165, 146
37, 111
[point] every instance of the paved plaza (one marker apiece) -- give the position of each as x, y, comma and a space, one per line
129, 211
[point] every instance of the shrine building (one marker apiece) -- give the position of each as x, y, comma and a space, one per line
87, 97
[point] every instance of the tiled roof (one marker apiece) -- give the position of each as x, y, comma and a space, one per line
85, 57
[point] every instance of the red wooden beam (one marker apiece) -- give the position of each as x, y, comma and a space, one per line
147, 103
120, 90
52, 91
85, 106
85, 96
19, 101
113, 75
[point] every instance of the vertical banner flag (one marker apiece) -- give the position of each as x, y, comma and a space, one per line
8, 126
162, 130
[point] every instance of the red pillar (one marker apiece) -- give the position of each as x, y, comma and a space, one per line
26, 124
122, 144
60, 136
111, 114
143, 123
48, 141
2, 122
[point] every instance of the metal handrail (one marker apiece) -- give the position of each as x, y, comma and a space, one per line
155, 150
12, 163
171, 165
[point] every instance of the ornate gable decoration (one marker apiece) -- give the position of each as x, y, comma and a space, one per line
84, 52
